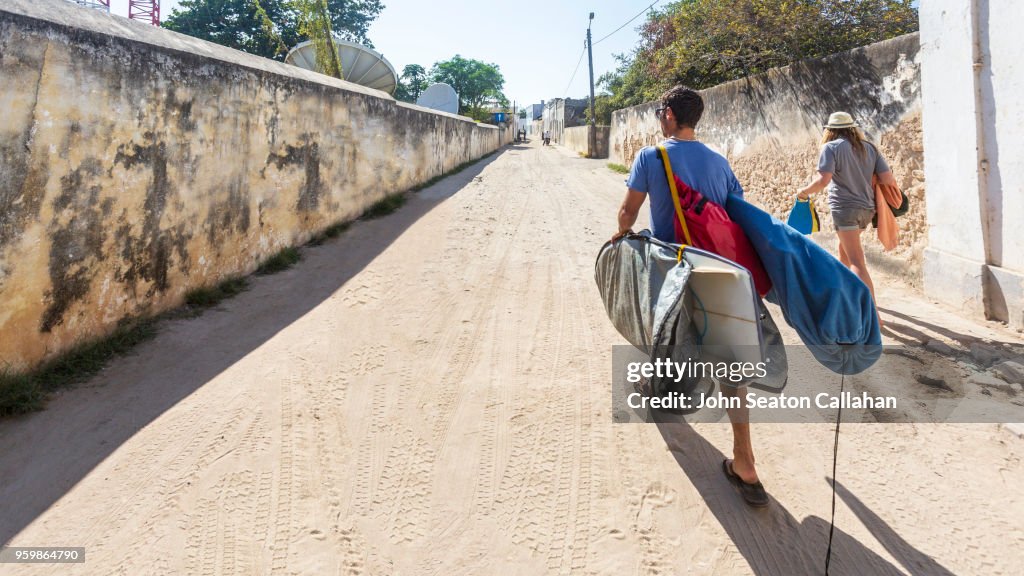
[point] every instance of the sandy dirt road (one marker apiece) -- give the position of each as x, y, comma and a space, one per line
429, 394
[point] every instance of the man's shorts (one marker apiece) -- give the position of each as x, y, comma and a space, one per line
852, 218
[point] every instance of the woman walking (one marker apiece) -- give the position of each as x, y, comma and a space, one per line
845, 166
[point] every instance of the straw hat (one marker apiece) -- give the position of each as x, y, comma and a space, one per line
840, 120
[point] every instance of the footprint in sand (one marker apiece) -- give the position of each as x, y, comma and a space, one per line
657, 495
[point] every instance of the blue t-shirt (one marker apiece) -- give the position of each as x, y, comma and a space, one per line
703, 169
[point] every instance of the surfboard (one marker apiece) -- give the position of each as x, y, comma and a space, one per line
725, 308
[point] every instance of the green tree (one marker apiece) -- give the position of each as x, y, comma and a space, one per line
315, 23
702, 43
477, 84
268, 28
602, 110
411, 83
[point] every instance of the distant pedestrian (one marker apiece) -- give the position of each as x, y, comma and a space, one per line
547, 137
845, 165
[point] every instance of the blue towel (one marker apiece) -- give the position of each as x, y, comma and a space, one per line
827, 304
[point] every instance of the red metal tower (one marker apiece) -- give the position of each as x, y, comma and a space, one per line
144, 11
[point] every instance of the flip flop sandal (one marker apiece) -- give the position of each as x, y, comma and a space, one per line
753, 494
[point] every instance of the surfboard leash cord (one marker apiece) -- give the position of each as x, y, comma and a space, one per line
835, 457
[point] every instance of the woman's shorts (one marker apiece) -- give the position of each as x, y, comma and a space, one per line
852, 218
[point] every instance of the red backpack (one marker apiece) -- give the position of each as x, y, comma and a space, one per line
701, 223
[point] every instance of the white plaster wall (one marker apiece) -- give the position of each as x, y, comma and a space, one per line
973, 89
577, 138
950, 131
1002, 89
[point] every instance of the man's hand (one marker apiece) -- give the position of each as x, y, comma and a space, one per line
620, 234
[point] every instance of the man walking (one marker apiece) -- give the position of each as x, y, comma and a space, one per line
709, 173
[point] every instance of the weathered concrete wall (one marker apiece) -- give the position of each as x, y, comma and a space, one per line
136, 163
602, 141
974, 111
769, 126
577, 138
506, 132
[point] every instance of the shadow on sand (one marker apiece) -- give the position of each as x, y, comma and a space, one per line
771, 539
908, 330
44, 454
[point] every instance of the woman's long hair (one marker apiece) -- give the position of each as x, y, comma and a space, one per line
851, 135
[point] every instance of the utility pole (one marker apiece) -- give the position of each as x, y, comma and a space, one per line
592, 129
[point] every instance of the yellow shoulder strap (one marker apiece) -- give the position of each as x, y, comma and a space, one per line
675, 193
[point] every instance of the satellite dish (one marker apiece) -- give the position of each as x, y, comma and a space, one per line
441, 97
359, 64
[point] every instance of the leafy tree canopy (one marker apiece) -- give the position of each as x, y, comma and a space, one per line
315, 22
411, 83
702, 43
477, 84
267, 28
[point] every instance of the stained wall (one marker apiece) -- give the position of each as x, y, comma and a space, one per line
137, 163
770, 126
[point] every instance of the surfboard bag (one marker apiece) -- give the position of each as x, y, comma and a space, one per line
803, 217
827, 304
645, 286
701, 223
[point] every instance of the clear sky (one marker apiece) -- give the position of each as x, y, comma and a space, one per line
535, 43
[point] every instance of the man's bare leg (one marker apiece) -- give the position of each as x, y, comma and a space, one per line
742, 449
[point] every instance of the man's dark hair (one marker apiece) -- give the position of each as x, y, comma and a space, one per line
686, 104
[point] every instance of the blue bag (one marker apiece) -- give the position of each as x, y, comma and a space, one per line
827, 304
803, 217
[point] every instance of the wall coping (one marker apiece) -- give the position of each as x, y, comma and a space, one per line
784, 69
73, 19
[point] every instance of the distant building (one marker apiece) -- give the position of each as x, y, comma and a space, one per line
562, 113
527, 115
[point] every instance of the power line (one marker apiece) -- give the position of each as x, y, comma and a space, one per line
630, 20
573, 77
